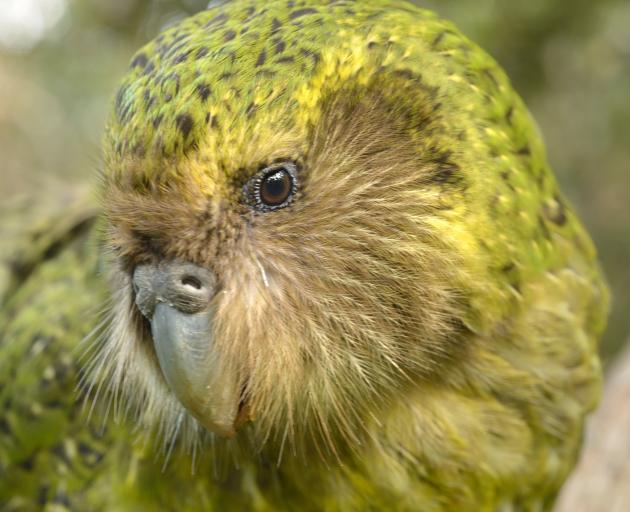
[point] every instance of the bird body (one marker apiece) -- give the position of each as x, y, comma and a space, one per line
403, 308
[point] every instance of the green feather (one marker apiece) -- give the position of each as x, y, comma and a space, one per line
497, 427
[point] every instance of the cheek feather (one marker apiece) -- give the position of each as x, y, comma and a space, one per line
329, 305
123, 367
335, 299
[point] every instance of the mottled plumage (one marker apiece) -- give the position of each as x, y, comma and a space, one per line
416, 330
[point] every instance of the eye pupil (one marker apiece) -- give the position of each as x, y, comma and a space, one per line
276, 187
272, 187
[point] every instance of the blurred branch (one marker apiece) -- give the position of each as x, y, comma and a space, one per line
602, 478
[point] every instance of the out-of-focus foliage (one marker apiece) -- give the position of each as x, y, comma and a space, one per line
570, 59
56, 83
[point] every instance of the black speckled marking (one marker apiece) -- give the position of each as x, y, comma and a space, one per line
265, 73
524, 151
175, 52
555, 212
201, 52
407, 74
302, 12
149, 100
310, 53
251, 109
220, 19
139, 61
510, 270
157, 120
262, 57
90, 456
150, 68
446, 173
229, 35
204, 91
438, 39
252, 14
178, 38
123, 108
375, 15
505, 176
169, 85
275, 26
508, 114
490, 75
184, 124
279, 45
120, 96
182, 57
508, 267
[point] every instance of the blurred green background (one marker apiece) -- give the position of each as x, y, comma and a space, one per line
570, 59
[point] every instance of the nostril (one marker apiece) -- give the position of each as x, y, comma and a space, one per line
184, 286
191, 290
192, 281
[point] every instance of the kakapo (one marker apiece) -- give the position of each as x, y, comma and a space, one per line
337, 272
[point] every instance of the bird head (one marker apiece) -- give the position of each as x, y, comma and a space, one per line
293, 242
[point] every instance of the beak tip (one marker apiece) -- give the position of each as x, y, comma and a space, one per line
192, 369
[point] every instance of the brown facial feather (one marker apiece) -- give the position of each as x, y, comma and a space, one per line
331, 305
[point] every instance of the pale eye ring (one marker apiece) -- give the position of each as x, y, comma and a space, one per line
273, 187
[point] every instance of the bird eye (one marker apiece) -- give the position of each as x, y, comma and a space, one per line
273, 187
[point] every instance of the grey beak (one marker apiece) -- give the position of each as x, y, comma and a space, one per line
176, 298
